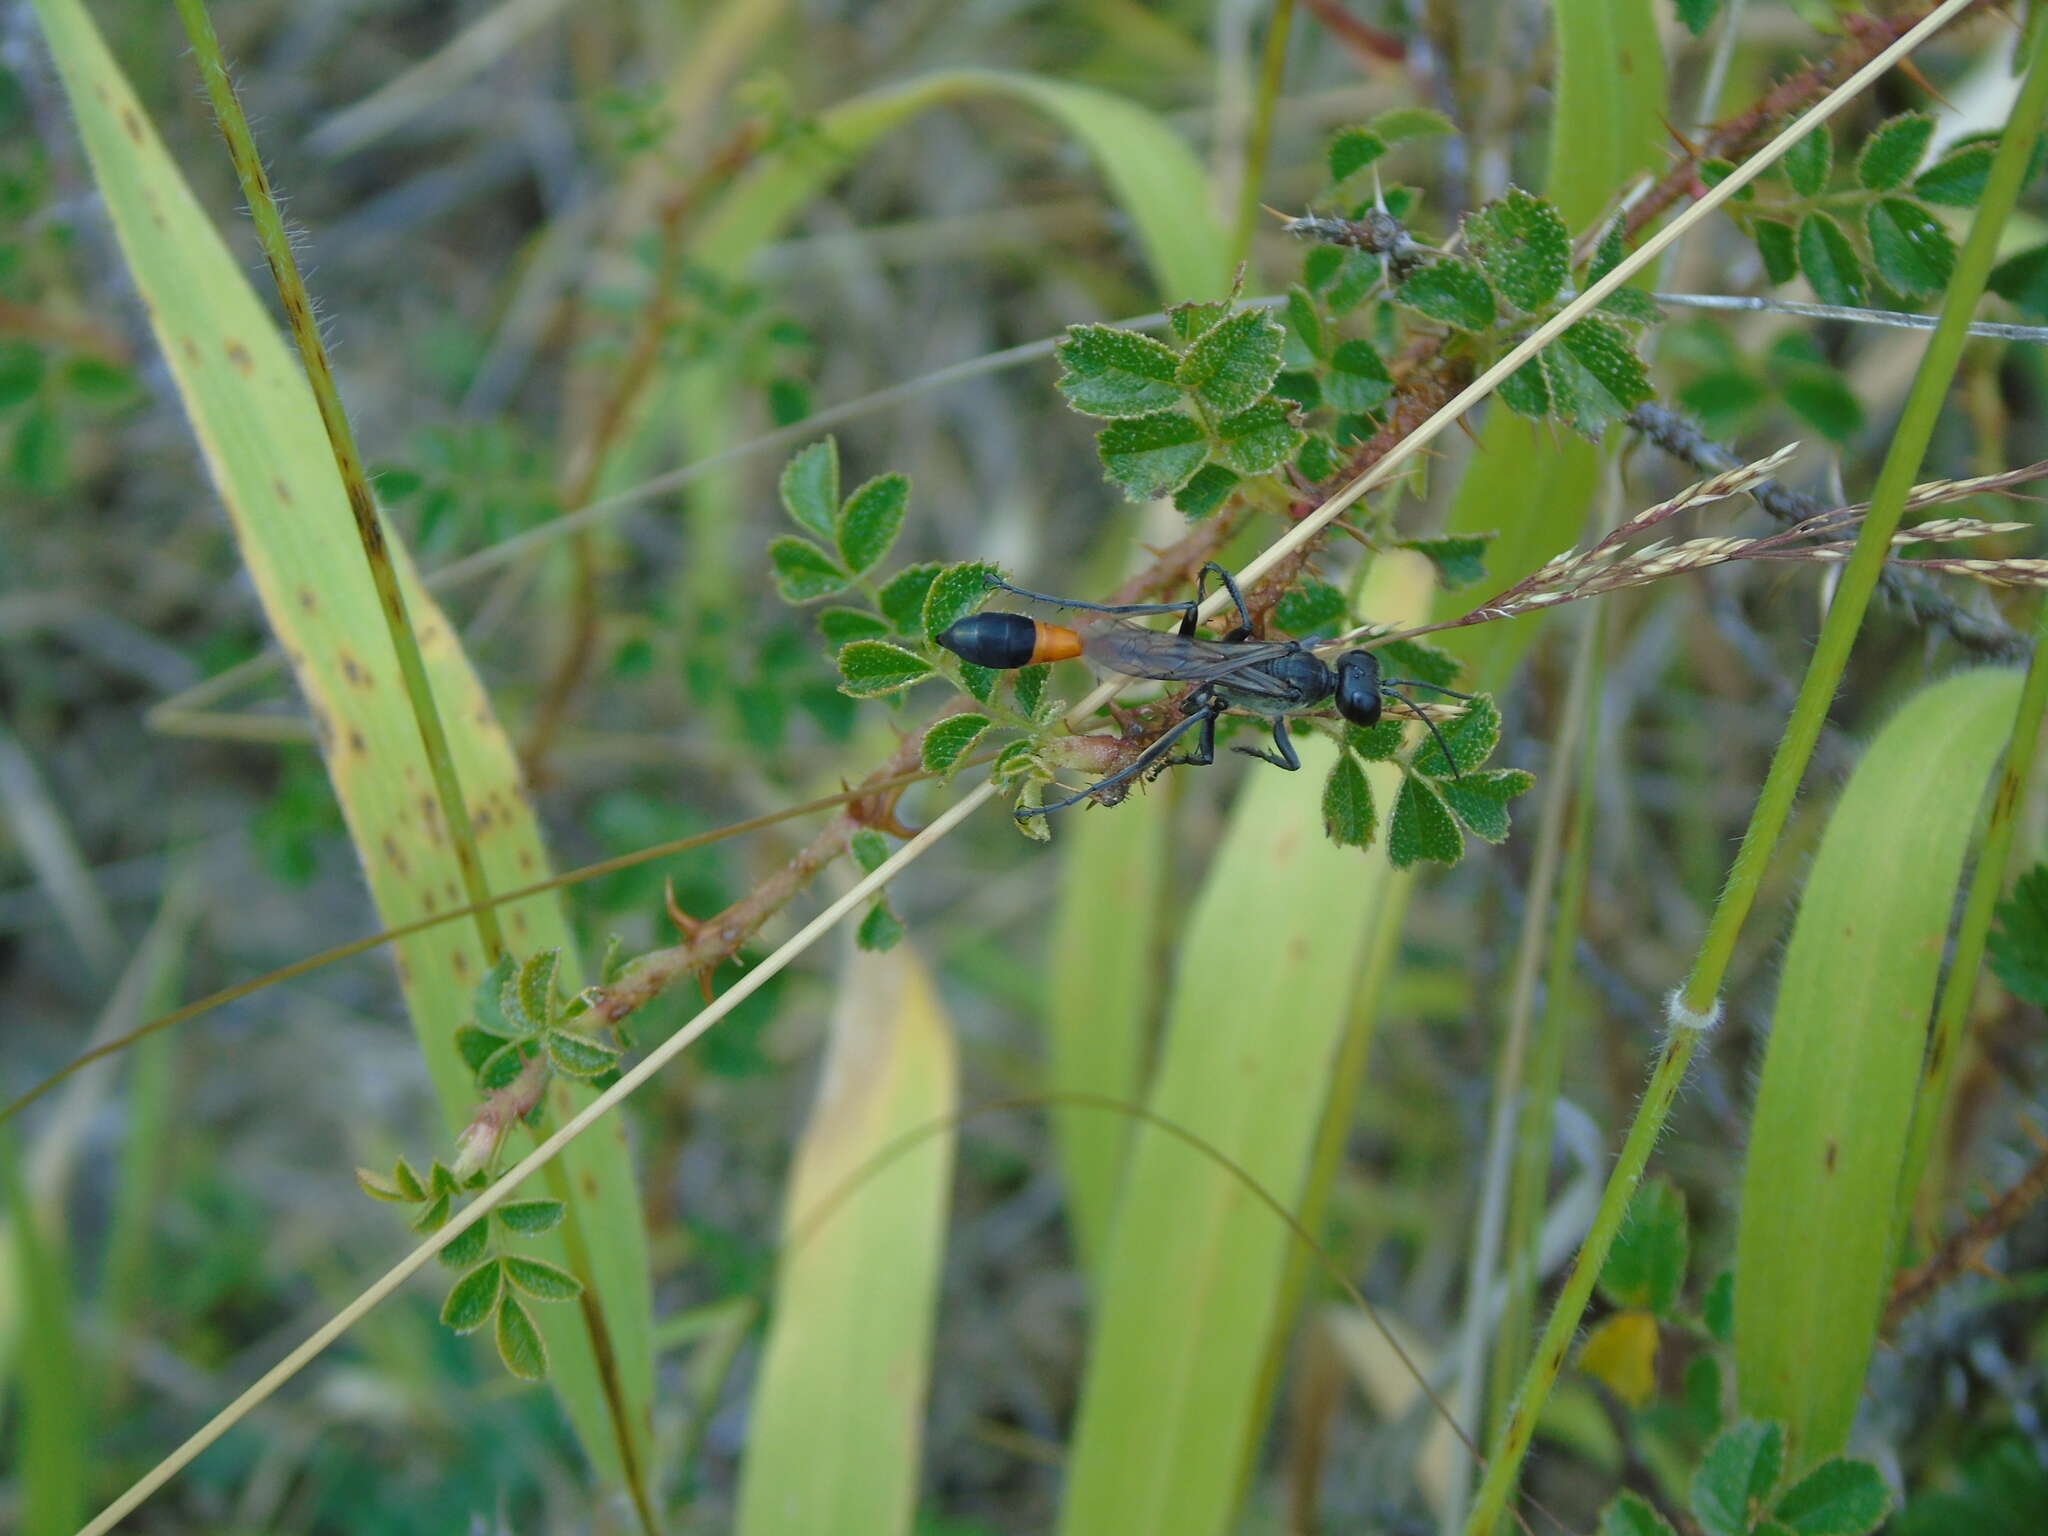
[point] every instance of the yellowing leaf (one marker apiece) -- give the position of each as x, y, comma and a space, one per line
1622, 1353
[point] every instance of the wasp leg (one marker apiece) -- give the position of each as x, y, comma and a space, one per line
1244, 614
1143, 761
1284, 757
1209, 711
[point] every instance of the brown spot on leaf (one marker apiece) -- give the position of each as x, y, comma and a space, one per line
131, 124
1828, 1157
427, 902
308, 599
189, 347
395, 854
353, 671
526, 858
239, 356
283, 491
404, 973
357, 744
460, 961
519, 922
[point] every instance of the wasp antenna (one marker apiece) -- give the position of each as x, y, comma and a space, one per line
1416, 682
1441, 745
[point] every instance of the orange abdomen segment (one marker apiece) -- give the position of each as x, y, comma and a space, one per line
1053, 642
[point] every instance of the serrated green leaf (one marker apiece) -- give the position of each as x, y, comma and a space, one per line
810, 487
880, 930
1957, 179
488, 1001
1234, 362
1204, 494
1152, 456
407, 1182
980, 682
475, 1046
872, 668
1808, 163
2019, 942
1523, 246
2022, 280
1830, 262
950, 740
1353, 150
1398, 123
467, 1246
870, 521
1736, 1476
1188, 321
378, 1187
1459, 560
1306, 322
579, 1055
955, 592
1776, 244
1317, 461
498, 1069
1452, 292
1631, 306
1631, 1514
803, 571
1526, 391
528, 1218
435, 1214
841, 625
1320, 265
1348, 815
1028, 684
1379, 743
870, 849
1912, 251
1840, 1497
1357, 274
1422, 826
537, 986
519, 1343
541, 1281
1471, 738
1646, 1267
1357, 381
1480, 800
473, 1298
1892, 150
1299, 386
1258, 439
1595, 376
1116, 373
1697, 15
1306, 608
902, 598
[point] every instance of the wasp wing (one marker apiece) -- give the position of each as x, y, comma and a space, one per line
1116, 645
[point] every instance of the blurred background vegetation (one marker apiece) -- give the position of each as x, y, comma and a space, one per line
492, 197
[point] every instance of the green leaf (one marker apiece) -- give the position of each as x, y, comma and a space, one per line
1258, 439
378, 1187
519, 1343
1957, 179
1206, 492
954, 593
1522, 245
1631, 306
872, 518
948, 741
1736, 1476
540, 1280
1356, 276
1723, 397
1816, 392
1116, 373
1526, 391
1840, 1497
1306, 322
1398, 123
488, 1001
810, 487
871, 668
802, 570
1698, 15
1422, 827
1631, 1514
1234, 362
1357, 380
473, 1298
979, 681
498, 1069
1891, 152
880, 930
1717, 1307
2019, 943
1471, 738
435, 1216
1317, 460
1912, 251
41, 459
1595, 374
1348, 814
1480, 800
579, 1055
840, 625
1646, 1267
1381, 743
902, 599
1353, 150
1308, 607
1702, 1391
1028, 683
870, 850
2022, 280
1774, 242
1299, 386
1412, 658
1808, 163
1830, 262
528, 1218
21, 372
1459, 561
537, 986
1452, 292
1152, 456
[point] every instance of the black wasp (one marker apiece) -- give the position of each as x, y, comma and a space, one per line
1271, 679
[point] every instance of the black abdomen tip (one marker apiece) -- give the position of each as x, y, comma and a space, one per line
993, 639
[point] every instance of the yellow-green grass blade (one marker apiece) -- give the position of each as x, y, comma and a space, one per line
838, 1417
1261, 999
1103, 955
255, 420
51, 1428
1814, 1254
1534, 482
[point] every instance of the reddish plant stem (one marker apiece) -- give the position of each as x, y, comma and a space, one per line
1965, 1249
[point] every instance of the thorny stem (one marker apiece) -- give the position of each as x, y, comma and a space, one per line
1698, 1002
1964, 1250
269, 223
